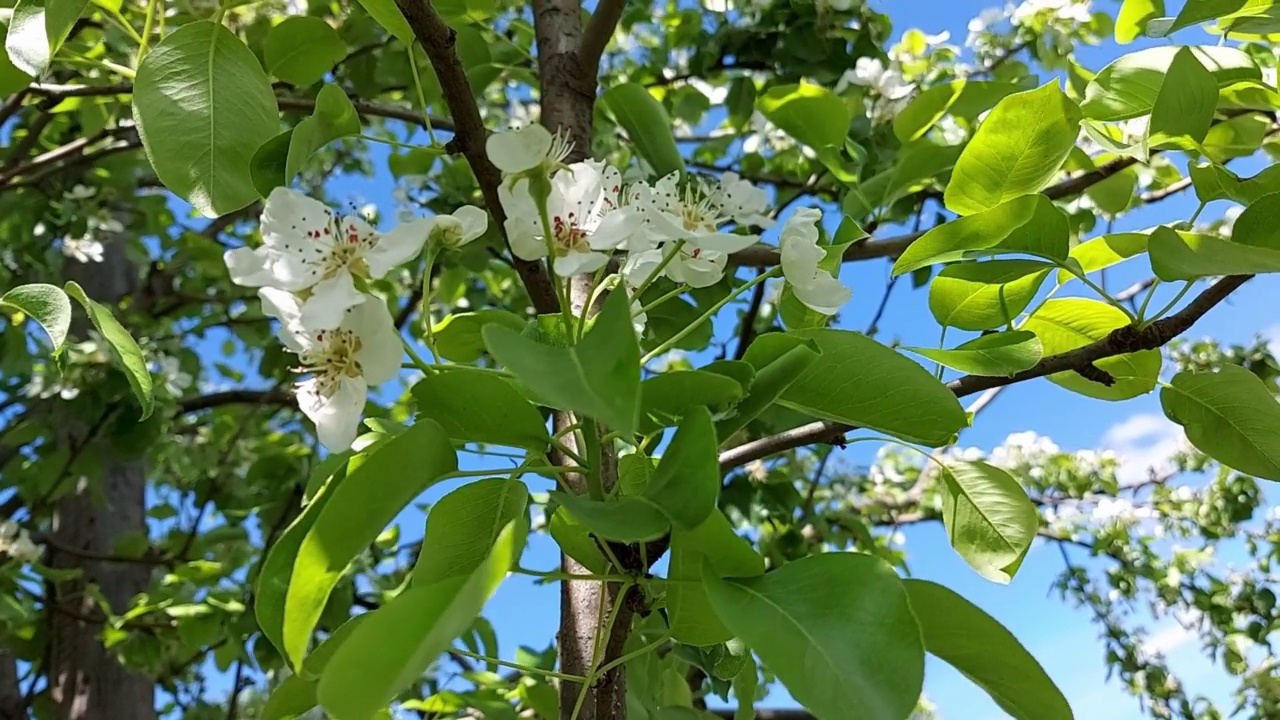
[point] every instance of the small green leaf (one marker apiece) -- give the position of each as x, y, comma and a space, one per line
36, 31
1184, 107
1133, 17
741, 100
47, 304
1031, 224
1239, 136
788, 358
1200, 11
464, 525
1129, 87
203, 106
846, 384
989, 518
836, 629
666, 398
971, 641
128, 352
1103, 252
393, 648
282, 157
1214, 182
576, 541
1230, 416
599, 377
302, 49
647, 124
993, 355
691, 618
475, 406
985, 295
687, 480
1188, 256
389, 16
290, 699
811, 114
1016, 151
458, 336
625, 519
959, 98
1064, 324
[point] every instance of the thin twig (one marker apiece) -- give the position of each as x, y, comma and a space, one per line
747, 332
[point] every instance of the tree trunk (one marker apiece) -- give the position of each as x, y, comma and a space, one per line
11, 705
86, 682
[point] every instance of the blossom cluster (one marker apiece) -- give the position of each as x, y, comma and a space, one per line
311, 270
17, 544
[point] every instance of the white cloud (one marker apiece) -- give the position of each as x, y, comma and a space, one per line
1142, 442
1166, 640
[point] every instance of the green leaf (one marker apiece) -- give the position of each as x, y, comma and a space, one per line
811, 114
634, 471
1005, 353
11, 78
1031, 224
1188, 256
1230, 416
1115, 194
836, 629
1103, 252
647, 124
392, 648
1129, 87
47, 305
690, 615
666, 398
203, 106
291, 698
1016, 151
1214, 182
960, 634
741, 100
1200, 11
1133, 17
985, 295
324, 652
858, 381
576, 541
1185, 105
389, 17
599, 377
959, 98
475, 406
387, 479
687, 480
282, 157
464, 525
128, 352
990, 520
1064, 324
302, 49
36, 31
625, 519
1239, 136
789, 358
458, 335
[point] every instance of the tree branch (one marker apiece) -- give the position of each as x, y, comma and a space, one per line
1121, 341
439, 40
598, 33
274, 396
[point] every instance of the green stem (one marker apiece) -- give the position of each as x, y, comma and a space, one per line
1103, 294
557, 575
670, 343
427, 292
148, 26
1151, 292
422, 97
596, 288
1176, 299
1196, 215
942, 343
562, 289
673, 294
508, 471
653, 274
602, 641
568, 452
124, 24
632, 655
517, 666
395, 143
418, 362
591, 446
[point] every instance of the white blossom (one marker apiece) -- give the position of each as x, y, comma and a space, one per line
870, 72
698, 212
308, 250
82, 249
1023, 448
16, 543
461, 227
363, 351
175, 380
520, 151
80, 192
817, 288
1067, 11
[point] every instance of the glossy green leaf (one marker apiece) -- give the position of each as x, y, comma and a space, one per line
387, 479
1129, 87
846, 384
474, 406
1064, 324
1214, 182
11, 78
985, 295
1104, 251
1016, 151
1230, 416
280, 159
1030, 224
634, 471
1239, 136
47, 304
690, 615
960, 98
464, 525
388, 15
647, 124
290, 699
599, 377
319, 658
1133, 17
1199, 11
993, 355
836, 629
811, 114
666, 398
126, 349
687, 480
401, 639
458, 335
1117, 193
990, 520
625, 519
302, 49
788, 358
203, 106
1184, 107
960, 634
1188, 256
36, 31
576, 541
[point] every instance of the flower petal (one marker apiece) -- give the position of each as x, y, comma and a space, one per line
474, 222
327, 306
823, 293
380, 348
336, 416
722, 241
516, 151
576, 263
397, 247
615, 229
292, 219
247, 267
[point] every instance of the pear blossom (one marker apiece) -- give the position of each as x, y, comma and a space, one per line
175, 380
343, 363
1071, 11
584, 213
520, 151
80, 192
697, 268
981, 25
698, 212
453, 231
870, 72
309, 249
16, 543
815, 287
82, 249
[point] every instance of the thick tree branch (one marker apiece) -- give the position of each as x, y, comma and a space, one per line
599, 31
1124, 340
439, 40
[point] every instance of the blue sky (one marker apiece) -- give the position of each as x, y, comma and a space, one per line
1063, 639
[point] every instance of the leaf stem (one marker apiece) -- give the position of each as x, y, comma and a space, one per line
1142, 311
427, 321
671, 342
517, 666
558, 575
591, 446
1172, 303
653, 274
422, 98
148, 27
633, 654
418, 362
115, 15
673, 294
